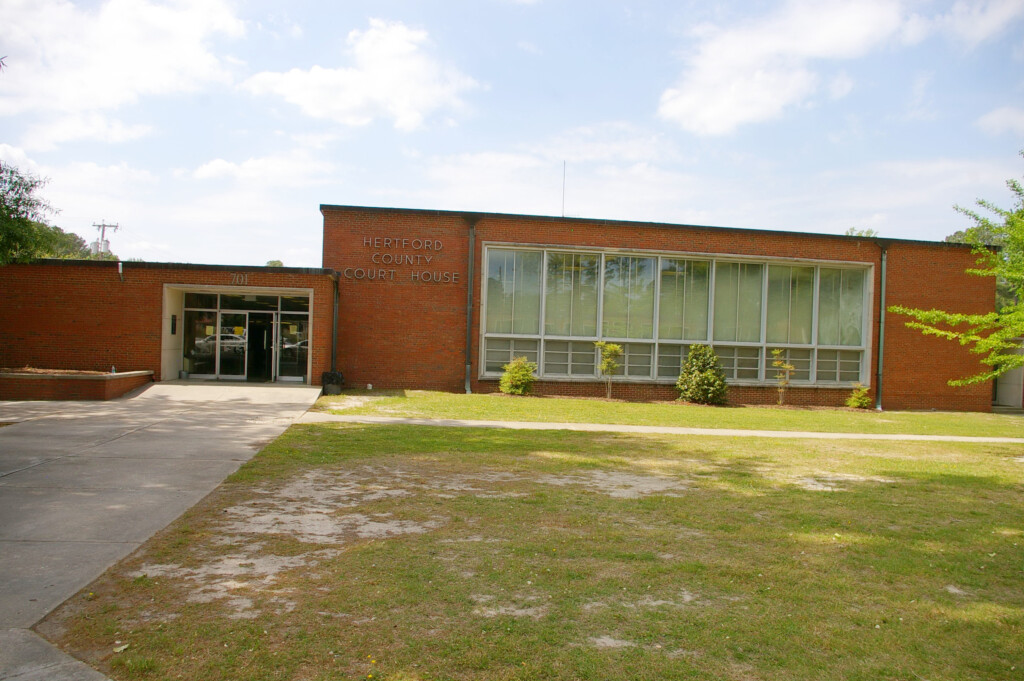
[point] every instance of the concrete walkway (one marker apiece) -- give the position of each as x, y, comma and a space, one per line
319, 417
83, 484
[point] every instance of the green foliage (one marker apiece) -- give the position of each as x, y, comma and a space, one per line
995, 334
519, 377
868, 232
610, 353
20, 212
23, 234
274, 263
859, 398
785, 370
702, 379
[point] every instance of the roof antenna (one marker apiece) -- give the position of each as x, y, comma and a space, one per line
563, 189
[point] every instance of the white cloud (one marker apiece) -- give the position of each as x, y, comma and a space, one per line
297, 169
66, 62
606, 142
840, 86
612, 172
16, 156
1006, 119
393, 77
87, 125
977, 21
753, 72
920, 105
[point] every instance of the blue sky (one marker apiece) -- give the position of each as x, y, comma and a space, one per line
212, 130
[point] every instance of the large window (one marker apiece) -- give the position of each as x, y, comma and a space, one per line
551, 305
513, 291
570, 294
628, 297
683, 299
738, 301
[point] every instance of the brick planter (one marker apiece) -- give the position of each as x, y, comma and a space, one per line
15, 386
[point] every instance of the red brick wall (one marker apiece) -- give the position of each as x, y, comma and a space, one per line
81, 315
69, 388
917, 367
399, 330
396, 332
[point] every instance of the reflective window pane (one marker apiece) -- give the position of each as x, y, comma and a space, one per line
841, 306
513, 291
203, 300
628, 297
231, 343
295, 303
683, 300
570, 298
738, 301
200, 342
293, 345
790, 304
248, 302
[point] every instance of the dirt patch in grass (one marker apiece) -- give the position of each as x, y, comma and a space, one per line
415, 553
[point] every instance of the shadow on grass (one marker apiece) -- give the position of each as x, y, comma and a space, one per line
783, 559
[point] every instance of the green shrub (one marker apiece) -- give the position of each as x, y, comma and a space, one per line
702, 379
610, 353
859, 398
518, 377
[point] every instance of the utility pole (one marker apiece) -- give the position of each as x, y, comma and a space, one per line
101, 245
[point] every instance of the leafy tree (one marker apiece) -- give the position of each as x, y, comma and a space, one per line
995, 334
24, 235
853, 231
985, 233
21, 211
783, 373
610, 353
274, 263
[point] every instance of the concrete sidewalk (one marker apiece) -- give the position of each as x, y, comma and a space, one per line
83, 484
321, 417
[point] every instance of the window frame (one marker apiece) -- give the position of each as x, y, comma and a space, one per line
765, 371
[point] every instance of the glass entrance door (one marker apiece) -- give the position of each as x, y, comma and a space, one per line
260, 344
293, 354
241, 336
231, 341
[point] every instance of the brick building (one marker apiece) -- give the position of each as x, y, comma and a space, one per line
255, 323
440, 300
437, 299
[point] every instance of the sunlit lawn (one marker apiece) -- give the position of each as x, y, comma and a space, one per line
409, 552
441, 405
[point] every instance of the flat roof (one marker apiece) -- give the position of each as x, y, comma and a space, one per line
477, 215
145, 265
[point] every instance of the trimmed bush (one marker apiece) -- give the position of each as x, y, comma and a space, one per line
859, 398
518, 377
702, 379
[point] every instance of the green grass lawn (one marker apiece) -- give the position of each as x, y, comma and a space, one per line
493, 407
414, 553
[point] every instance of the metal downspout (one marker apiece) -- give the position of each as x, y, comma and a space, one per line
881, 330
469, 304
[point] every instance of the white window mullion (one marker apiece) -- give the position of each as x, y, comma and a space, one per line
600, 299
764, 323
712, 276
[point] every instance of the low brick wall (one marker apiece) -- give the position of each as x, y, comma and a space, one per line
14, 386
